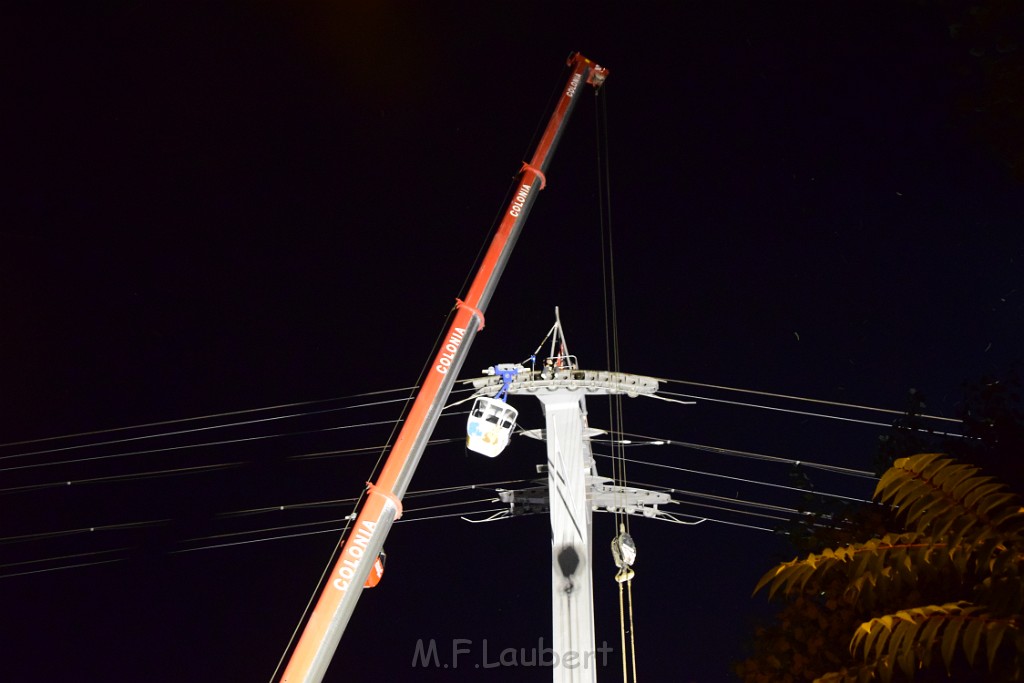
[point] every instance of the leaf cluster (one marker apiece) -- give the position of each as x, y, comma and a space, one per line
945, 587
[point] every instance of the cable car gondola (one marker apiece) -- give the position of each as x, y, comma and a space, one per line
490, 426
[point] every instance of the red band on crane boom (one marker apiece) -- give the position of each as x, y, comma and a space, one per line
537, 172
375, 490
459, 303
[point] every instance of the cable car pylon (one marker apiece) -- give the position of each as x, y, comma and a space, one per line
574, 491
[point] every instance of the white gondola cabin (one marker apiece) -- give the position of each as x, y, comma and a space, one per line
490, 426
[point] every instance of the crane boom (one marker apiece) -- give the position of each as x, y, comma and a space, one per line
383, 504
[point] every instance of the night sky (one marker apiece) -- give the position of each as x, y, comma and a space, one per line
215, 207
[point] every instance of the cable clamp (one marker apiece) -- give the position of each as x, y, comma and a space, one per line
373, 489
459, 303
537, 172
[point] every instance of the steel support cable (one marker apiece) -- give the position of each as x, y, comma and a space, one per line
209, 416
197, 469
805, 399
726, 499
491, 500
207, 444
664, 396
664, 516
46, 535
723, 499
720, 508
422, 493
76, 565
658, 441
225, 545
226, 425
116, 527
131, 476
742, 480
359, 450
333, 520
669, 518
404, 519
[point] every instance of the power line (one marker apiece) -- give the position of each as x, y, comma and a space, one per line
808, 400
207, 444
207, 417
133, 476
657, 441
340, 501
179, 432
665, 394
739, 479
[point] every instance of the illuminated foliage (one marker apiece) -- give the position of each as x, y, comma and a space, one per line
947, 588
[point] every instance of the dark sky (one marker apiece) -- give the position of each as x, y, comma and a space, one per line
213, 207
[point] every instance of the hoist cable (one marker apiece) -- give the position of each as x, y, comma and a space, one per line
610, 303
632, 629
622, 634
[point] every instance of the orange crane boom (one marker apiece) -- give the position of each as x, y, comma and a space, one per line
383, 505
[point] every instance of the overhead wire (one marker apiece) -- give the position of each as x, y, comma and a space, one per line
623, 443
659, 441
306, 526
664, 396
133, 476
805, 399
227, 425
188, 446
77, 565
336, 529
207, 444
420, 493
724, 499
21, 538
211, 416
717, 475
